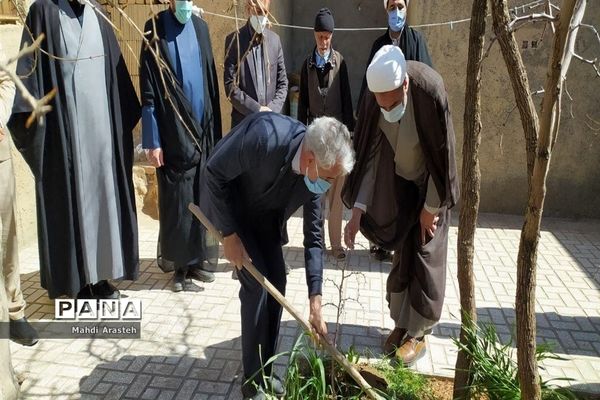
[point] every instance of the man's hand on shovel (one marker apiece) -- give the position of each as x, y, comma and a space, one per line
234, 250
317, 323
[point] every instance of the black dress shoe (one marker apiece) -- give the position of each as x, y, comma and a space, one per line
22, 332
259, 395
382, 255
106, 291
199, 274
275, 385
86, 293
178, 281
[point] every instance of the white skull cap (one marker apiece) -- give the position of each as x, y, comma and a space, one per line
387, 71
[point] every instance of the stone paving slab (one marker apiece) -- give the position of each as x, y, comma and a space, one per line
190, 345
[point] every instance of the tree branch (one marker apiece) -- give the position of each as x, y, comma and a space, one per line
574, 25
593, 28
160, 62
535, 17
591, 62
518, 22
595, 129
519, 80
549, 11
571, 99
39, 107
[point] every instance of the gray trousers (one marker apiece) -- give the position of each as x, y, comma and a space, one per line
9, 389
9, 254
417, 282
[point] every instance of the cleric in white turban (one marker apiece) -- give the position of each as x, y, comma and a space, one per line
402, 188
387, 70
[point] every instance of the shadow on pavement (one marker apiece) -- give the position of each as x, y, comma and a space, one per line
568, 335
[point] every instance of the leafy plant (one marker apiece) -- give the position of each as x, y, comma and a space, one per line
404, 383
311, 375
306, 377
495, 369
306, 373
264, 376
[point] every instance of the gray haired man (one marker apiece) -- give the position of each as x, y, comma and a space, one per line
257, 177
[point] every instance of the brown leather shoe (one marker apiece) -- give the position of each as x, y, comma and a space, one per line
392, 343
411, 350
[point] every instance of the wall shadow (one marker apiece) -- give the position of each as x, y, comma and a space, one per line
174, 376
200, 371
568, 335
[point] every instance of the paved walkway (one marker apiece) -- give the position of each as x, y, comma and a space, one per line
190, 345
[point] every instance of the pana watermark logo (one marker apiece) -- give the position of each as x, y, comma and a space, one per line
95, 310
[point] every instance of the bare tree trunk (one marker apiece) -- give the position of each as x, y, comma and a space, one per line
471, 184
526, 264
519, 80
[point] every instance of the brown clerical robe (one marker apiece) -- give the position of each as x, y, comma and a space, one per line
416, 284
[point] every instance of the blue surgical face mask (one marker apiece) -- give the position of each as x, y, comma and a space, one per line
183, 11
395, 114
319, 186
396, 19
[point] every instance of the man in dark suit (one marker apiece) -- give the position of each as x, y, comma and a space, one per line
260, 82
257, 177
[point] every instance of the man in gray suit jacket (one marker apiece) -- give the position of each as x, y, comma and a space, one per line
258, 82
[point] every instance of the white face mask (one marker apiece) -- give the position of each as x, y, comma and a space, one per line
259, 23
395, 114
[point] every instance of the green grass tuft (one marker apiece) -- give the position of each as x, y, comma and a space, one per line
495, 369
404, 383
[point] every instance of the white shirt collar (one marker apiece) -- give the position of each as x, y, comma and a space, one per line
296, 159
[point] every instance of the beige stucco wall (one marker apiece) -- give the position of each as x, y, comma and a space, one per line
574, 178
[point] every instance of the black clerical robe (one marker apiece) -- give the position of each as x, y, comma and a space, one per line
413, 46
392, 217
47, 149
186, 145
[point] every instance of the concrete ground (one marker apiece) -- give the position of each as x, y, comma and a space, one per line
190, 341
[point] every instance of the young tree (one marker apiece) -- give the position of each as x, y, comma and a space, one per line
471, 184
543, 134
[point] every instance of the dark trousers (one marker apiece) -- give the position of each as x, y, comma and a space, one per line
261, 314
